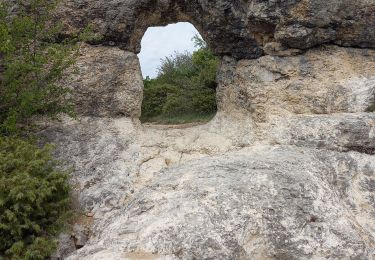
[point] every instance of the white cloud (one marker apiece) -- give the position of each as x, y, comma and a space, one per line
160, 42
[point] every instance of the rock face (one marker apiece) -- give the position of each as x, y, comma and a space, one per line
258, 203
324, 80
285, 170
185, 193
218, 191
108, 82
328, 79
239, 28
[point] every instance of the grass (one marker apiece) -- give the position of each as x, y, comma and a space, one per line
179, 119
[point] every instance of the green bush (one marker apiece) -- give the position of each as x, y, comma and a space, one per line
34, 196
155, 96
185, 87
33, 60
34, 200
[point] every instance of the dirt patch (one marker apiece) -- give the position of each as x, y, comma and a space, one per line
176, 126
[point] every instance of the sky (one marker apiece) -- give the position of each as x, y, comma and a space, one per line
160, 42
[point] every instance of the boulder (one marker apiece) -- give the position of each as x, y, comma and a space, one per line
266, 202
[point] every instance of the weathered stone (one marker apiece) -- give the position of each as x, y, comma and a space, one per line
102, 154
343, 132
80, 235
258, 203
236, 28
322, 81
285, 170
108, 82
65, 247
224, 201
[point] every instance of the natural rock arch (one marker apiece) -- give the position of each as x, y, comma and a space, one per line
279, 180
240, 28
226, 34
234, 30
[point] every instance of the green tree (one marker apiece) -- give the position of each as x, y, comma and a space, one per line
33, 60
184, 88
34, 196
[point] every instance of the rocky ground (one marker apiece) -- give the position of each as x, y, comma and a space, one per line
215, 191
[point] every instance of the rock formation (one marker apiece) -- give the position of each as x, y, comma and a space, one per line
239, 28
285, 170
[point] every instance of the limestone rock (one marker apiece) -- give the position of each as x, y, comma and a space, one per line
108, 82
324, 80
80, 235
237, 28
259, 203
264, 201
65, 247
285, 170
104, 158
343, 132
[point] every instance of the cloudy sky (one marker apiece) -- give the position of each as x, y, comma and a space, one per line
159, 42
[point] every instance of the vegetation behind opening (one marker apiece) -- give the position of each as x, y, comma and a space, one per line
184, 90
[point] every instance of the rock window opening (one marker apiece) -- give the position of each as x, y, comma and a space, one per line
179, 72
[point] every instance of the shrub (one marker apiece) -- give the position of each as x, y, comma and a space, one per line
176, 105
34, 196
34, 200
32, 61
155, 96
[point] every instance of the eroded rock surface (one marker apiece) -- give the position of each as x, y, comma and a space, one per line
238, 28
324, 80
259, 203
285, 170
198, 192
228, 202
108, 82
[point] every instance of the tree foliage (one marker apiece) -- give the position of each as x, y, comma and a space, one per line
185, 85
33, 60
34, 196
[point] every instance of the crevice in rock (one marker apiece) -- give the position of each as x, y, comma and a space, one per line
361, 149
